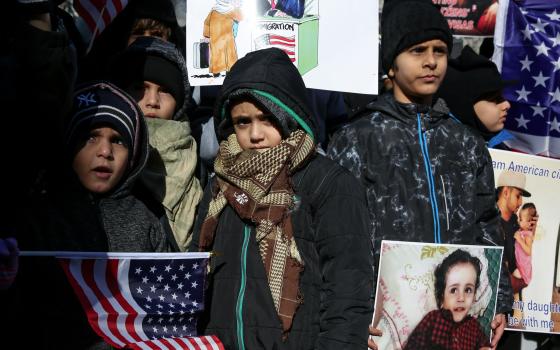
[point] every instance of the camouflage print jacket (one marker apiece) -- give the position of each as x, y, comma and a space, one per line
428, 178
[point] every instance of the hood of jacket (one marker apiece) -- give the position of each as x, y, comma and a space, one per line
269, 74
408, 112
152, 46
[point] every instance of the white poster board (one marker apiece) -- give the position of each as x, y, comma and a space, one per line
538, 306
334, 44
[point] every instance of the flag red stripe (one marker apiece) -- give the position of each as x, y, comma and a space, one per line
118, 6
112, 278
206, 342
88, 18
88, 273
106, 16
218, 342
166, 343
93, 317
182, 342
283, 38
281, 44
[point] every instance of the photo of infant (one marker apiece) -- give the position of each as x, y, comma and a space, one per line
432, 296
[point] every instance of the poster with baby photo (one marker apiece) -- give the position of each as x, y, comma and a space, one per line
329, 53
527, 192
436, 295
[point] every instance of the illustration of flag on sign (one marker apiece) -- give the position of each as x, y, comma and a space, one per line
142, 300
98, 13
527, 49
284, 43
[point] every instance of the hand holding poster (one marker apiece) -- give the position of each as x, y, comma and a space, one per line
526, 196
431, 295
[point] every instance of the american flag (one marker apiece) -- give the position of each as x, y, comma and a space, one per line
284, 43
527, 47
142, 300
98, 13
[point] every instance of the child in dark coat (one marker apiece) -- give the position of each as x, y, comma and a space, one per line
86, 206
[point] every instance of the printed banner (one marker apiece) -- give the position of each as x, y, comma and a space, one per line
433, 295
527, 196
470, 17
329, 53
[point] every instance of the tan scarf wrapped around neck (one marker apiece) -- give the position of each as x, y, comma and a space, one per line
257, 186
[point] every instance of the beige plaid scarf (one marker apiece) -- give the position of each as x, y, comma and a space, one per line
257, 186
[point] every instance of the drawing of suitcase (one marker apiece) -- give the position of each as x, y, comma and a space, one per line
201, 54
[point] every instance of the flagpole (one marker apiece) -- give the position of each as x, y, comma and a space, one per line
99, 18
114, 255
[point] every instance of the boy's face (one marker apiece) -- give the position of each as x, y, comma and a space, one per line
418, 71
154, 100
460, 287
254, 129
102, 161
492, 110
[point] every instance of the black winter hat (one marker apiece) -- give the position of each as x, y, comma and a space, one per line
102, 103
269, 79
409, 22
469, 78
134, 66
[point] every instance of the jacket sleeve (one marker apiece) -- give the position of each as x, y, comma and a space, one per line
200, 216
345, 259
345, 149
488, 221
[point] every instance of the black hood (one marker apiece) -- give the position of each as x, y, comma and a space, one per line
270, 79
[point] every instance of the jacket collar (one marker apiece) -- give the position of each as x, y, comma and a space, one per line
407, 112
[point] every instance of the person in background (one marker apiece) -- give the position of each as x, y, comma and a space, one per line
155, 75
138, 18
472, 89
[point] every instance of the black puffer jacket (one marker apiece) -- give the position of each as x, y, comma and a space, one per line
428, 178
331, 232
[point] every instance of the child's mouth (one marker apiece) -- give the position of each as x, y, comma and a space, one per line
102, 172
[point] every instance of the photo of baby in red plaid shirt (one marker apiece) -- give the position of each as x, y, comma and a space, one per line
456, 280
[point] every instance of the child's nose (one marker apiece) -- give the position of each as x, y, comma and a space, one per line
105, 149
152, 97
256, 133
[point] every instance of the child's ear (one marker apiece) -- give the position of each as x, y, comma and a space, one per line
391, 73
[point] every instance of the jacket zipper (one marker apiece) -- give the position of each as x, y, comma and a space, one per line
241, 295
445, 201
431, 182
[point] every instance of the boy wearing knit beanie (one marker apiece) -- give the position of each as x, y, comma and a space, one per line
86, 205
428, 178
472, 89
154, 73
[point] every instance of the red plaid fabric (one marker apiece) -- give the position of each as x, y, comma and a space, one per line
437, 330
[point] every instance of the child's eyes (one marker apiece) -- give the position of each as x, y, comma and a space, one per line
468, 290
118, 141
453, 290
